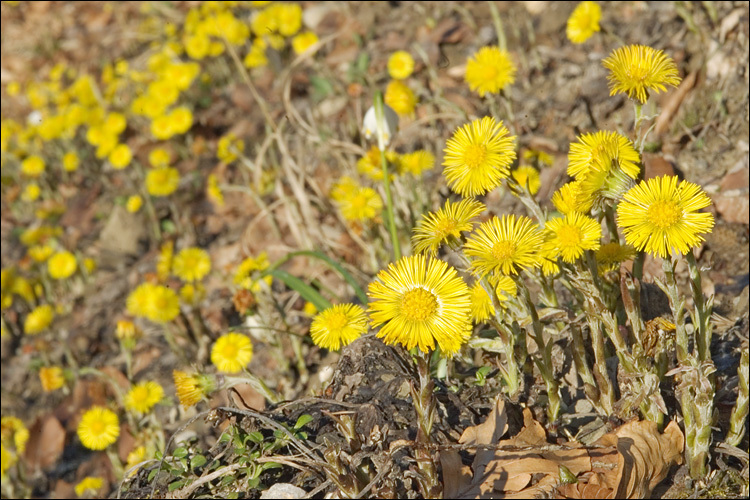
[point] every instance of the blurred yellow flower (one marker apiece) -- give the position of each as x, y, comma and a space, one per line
33, 166
303, 41
51, 377
213, 191
400, 98
191, 388
400, 65
232, 352
99, 428
158, 158
127, 330
120, 157
134, 203
191, 264
89, 485
14, 433
583, 22
70, 161
142, 397
162, 181
163, 305
31, 192
229, 148
416, 162
40, 253
528, 178
62, 265
490, 70
361, 205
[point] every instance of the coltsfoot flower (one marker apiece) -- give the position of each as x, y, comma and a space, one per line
191, 264
338, 326
504, 245
418, 302
142, 397
637, 69
445, 225
99, 428
572, 235
62, 265
490, 70
583, 22
400, 65
232, 352
659, 215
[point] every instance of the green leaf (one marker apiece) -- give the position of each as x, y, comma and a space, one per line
180, 452
152, 474
322, 88
302, 420
270, 465
197, 461
177, 484
306, 291
336, 266
256, 437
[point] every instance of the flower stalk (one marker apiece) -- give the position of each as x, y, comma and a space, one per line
380, 120
424, 405
738, 419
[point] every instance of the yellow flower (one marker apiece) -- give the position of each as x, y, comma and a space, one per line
288, 18
611, 255
70, 161
541, 158
192, 294
481, 304
400, 65
181, 120
338, 326
52, 378
162, 181
504, 245
127, 331
637, 69
572, 235
232, 352
420, 301
310, 309
583, 22
256, 58
490, 70
62, 265
142, 397
303, 41
570, 198
400, 98
14, 433
158, 158
191, 264
120, 157
138, 298
33, 166
445, 225
89, 485
361, 205
478, 157
164, 262
134, 203
659, 215
40, 253
89, 265
163, 305
197, 46
161, 127
528, 178
115, 123
99, 428
135, 457
106, 145
31, 192
371, 166
213, 191
191, 388
417, 162
7, 460
244, 278
229, 148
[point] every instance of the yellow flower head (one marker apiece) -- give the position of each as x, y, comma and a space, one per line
120, 157
14, 433
659, 215
70, 161
232, 352
570, 198
310, 309
361, 205
637, 69
191, 264
138, 299
504, 245
89, 485
33, 166
62, 265
611, 255
229, 148
127, 331
371, 165
164, 262
540, 158
31, 192
38, 320
181, 120
490, 70
478, 157
344, 188
481, 304
158, 158
162, 181
134, 203
400, 98
419, 301
244, 274
99, 428
445, 225
7, 460
303, 41
528, 178
115, 123
162, 304
213, 191
605, 163
417, 162
191, 388
135, 457
256, 57
338, 326
51, 377
142, 397
583, 22
572, 235
400, 65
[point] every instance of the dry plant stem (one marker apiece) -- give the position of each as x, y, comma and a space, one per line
424, 405
544, 356
703, 309
738, 419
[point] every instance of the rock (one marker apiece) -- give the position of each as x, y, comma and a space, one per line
283, 490
734, 206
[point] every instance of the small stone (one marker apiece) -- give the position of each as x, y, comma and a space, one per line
283, 490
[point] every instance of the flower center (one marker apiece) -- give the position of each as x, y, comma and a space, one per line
664, 214
445, 227
97, 427
569, 236
359, 201
418, 304
489, 73
230, 351
337, 321
503, 250
475, 155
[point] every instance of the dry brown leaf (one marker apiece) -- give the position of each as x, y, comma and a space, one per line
491, 430
46, 443
647, 456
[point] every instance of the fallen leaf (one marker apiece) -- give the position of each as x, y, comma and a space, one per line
46, 443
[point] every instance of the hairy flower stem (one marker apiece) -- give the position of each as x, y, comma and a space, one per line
677, 304
582, 366
510, 371
529, 202
424, 405
544, 356
702, 308
738, 419
380, 119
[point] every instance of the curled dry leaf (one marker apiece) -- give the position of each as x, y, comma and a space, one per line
626, 464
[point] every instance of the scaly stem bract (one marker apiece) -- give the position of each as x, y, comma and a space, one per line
738, 420
424, 405
702, 308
